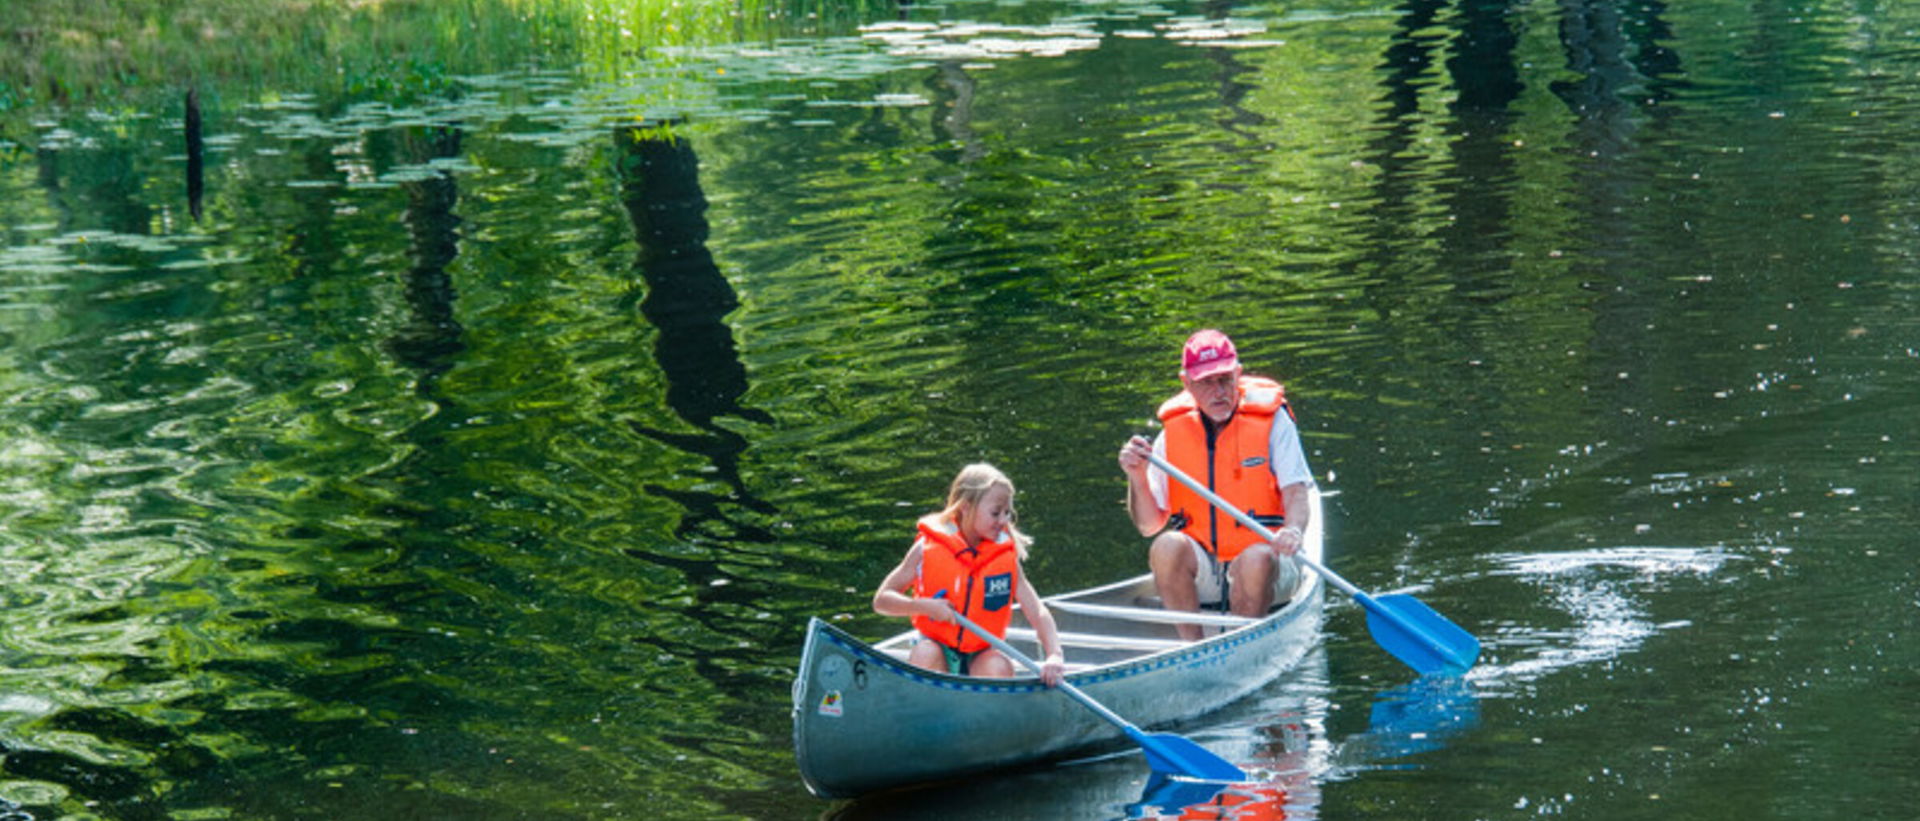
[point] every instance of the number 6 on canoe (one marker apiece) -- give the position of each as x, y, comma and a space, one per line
1403, 625
1166, 752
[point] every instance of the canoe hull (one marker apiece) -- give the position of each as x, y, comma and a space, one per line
865, 721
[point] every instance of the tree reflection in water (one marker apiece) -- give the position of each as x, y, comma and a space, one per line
686, 300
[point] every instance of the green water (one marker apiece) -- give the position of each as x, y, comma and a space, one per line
483, 454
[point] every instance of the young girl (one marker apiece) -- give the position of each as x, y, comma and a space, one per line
967, 559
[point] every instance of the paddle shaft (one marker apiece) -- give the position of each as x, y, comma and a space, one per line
1402, 625
1008, 651
1252, 524
1166, 752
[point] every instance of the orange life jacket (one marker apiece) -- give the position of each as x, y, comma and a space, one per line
978, 581
1235, 466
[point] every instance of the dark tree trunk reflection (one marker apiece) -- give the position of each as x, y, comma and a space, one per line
1480, 186
196, 154
431, 338
686, 300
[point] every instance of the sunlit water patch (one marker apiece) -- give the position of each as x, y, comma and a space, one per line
1603, 596
478, 453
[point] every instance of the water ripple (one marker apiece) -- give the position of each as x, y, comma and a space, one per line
1603, 593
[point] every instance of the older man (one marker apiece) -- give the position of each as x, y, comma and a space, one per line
1235, 434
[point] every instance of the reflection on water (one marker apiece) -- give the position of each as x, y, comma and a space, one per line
1165, 794
1602, 598
430, 341
482, 454
196, 154
1277, 735
1412, 720
686, 299
1167, 798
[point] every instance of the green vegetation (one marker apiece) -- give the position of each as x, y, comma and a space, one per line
92, 50
102, 51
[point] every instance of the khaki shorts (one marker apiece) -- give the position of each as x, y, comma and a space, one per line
1209, 580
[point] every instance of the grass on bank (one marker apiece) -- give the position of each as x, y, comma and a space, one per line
102, 51
66, 51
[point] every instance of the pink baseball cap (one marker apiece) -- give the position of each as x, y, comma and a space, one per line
1208, 352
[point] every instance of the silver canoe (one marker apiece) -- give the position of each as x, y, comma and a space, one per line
864, 720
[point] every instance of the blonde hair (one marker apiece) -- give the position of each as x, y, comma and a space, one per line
970, 486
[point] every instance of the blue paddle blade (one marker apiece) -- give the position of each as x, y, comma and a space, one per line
1417, 635
1165, 795
1177, 755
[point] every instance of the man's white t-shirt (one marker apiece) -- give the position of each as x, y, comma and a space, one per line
1284, 454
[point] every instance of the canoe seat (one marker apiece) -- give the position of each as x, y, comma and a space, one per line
1151, 614
1101, 641
1153, 602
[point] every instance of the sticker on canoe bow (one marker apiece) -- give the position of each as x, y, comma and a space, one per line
830, 704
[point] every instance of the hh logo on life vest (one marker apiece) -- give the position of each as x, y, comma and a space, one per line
999, 591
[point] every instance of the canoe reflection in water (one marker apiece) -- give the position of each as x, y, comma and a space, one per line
1278, 735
